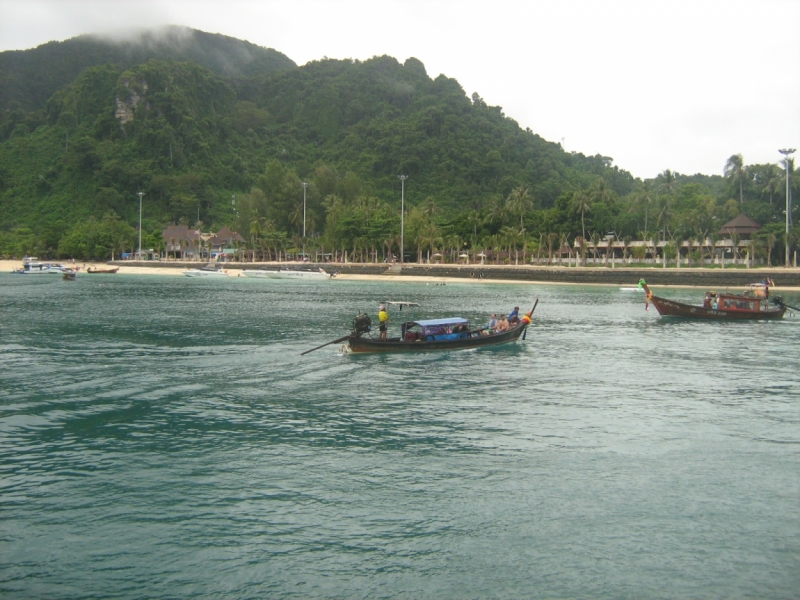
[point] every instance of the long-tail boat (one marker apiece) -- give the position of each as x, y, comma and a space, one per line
430, 335
753, 304
102, 271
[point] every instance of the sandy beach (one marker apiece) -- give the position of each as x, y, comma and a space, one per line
176, 270
7, 266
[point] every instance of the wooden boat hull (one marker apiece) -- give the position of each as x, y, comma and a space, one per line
359, 345
671, 308
102, 271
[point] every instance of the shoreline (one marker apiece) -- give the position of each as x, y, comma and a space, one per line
690, 278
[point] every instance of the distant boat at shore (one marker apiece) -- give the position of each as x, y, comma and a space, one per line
32, 266
210, 270
304, 274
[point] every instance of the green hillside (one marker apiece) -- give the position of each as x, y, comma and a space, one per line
209, 149
28, 78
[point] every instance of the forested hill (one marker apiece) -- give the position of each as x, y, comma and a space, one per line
194, 140
29, 77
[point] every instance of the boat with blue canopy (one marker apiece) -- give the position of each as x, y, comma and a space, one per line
429, 335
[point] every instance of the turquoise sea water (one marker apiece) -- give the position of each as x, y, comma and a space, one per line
162, 437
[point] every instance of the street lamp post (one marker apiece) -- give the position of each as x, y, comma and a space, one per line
140, 194
786, 152
402, 214
305, 185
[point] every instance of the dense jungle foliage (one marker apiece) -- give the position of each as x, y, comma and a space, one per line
28, 78
207, 150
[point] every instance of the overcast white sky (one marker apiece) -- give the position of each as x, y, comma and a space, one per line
654, 84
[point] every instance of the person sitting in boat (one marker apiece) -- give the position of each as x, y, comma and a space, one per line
490, 326
513, 316
502, 324
383, 317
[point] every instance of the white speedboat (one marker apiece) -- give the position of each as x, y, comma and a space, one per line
305, 274
258, 273
302, 274
210, 270
32, 266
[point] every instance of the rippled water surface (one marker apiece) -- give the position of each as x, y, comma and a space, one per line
162, 437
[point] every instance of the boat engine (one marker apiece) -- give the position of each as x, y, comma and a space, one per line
361, 324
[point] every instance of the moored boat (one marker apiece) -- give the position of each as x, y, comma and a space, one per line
32, 266
753, 305
259, 273
303, 274
310, 274
108, 271
210, 270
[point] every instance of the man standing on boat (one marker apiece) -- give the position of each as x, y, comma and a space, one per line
383, 317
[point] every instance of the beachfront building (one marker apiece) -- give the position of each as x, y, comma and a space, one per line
735, 240
184, 243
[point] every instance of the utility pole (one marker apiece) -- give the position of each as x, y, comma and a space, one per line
786, 152
305, 185
140, 194
402, 213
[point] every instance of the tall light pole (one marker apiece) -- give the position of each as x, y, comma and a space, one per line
786, 152
140, 194
402, 213
305, 185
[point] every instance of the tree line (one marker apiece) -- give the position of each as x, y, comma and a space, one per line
208, 153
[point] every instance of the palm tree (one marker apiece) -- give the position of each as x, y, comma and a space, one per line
497, 212
644, 197
388, 245
518, 202
600, 191
595, 239
430, 208
770, 180
770, 238
582, 248
296, 217
550, 241
735, 171
678, 241
111, 220
579, 203
609, 249
454, 242
431, 237
668, 184
664, 214
255, 232
563, 240
735, 239
511, 237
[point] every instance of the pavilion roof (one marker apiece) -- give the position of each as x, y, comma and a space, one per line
741, 224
